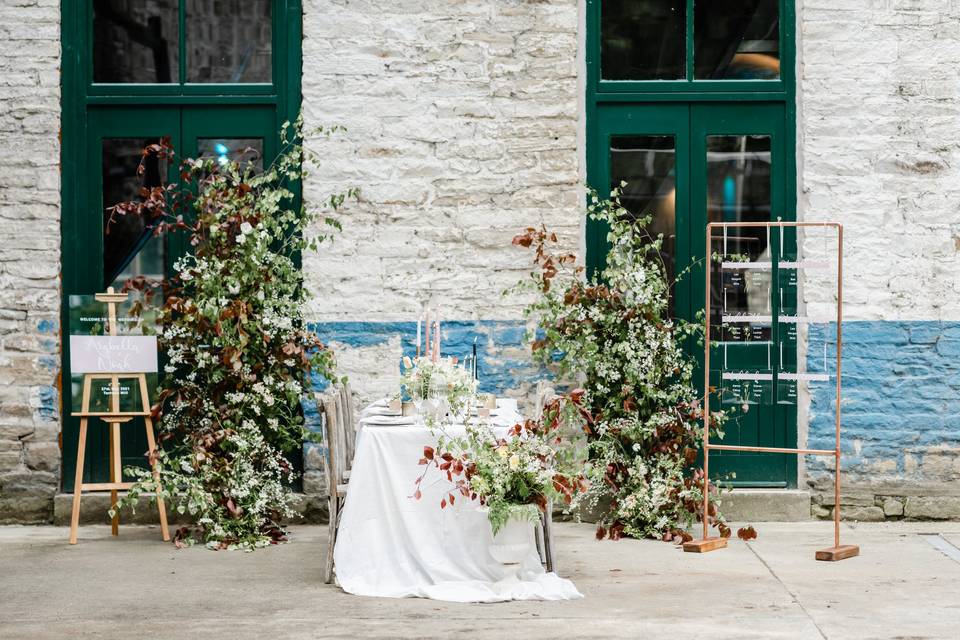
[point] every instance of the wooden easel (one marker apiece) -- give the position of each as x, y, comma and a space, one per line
114, 418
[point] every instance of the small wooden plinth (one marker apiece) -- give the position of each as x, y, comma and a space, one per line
842, 552
704, 545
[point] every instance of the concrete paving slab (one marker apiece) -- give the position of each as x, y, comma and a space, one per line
137, 586
900, 586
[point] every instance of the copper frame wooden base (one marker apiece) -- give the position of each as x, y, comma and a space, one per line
704, 545
842, 552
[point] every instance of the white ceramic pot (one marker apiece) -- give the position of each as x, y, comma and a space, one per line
512, 543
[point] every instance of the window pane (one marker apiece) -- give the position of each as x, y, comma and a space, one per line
736, 39
135, 41
129, 249
229, 41
648, 165
739, 190
242, 150
643, 39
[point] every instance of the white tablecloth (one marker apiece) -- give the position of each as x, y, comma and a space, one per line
391, 545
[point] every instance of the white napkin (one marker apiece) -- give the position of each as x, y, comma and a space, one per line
379, 408
388, 420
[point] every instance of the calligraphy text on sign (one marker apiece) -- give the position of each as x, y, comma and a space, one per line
113, 354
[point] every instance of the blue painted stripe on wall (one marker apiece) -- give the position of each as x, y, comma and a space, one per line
901, 390
503, 356
901, 380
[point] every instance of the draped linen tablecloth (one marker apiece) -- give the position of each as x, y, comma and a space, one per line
391, 545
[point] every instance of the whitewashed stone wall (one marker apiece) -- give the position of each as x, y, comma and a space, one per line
29, 257
462, 120
879, 142
879, 150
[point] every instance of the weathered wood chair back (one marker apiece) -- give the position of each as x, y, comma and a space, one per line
349, 421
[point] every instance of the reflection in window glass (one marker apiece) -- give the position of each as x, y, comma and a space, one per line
229, 41
246, 151
648, 165
135, 41
736, 39
643, 39
739, 190
129, 248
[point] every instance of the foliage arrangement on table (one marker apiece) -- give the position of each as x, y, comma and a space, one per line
423, 375
516, 476
615, 331
237, 350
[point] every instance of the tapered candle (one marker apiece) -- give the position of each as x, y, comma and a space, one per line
419, 320
473, 362
426, 344
436, 337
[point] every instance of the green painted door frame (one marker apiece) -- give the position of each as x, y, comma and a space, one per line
186, 112
690, 111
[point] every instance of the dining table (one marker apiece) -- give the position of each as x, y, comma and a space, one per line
392, 544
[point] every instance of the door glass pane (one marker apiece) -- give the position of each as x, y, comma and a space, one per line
129, 249
736, 39
135, 41
643, 39
739, 190
648, 165
243, 150
229, 41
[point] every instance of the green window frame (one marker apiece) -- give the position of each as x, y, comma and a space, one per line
691, 91
692, 109
96, 111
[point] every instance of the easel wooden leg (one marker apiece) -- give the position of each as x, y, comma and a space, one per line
161, 507
78, 482
115, 475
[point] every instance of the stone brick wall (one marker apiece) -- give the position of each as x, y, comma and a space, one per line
29, 258
462, 128
878, 150
462, 125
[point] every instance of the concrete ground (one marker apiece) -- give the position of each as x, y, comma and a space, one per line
904, 585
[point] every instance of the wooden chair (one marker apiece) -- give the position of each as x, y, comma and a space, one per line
340, 439
544, 531
334, 438
348, 419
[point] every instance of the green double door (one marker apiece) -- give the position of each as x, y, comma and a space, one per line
107, 254
686, 165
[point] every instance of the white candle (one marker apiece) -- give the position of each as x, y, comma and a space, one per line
426, 349
419, 320
436, 337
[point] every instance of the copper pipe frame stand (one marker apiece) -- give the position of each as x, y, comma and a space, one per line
707, 543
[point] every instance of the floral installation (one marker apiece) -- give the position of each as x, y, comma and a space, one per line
238, 354
614, 330
421, 375
513, 476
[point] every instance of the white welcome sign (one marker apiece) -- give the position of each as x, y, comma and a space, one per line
113, 354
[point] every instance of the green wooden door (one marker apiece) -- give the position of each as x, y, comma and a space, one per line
685, 165
218, 78
738, 174
109, 254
